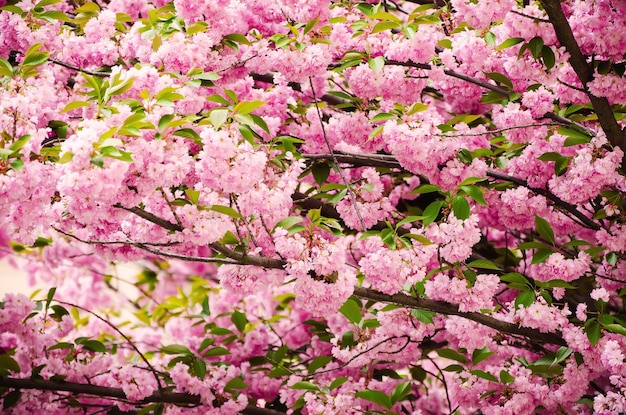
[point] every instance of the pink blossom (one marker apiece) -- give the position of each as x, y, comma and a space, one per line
600, 294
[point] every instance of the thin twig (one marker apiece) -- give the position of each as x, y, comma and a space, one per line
79, 69
332, 153
132, 344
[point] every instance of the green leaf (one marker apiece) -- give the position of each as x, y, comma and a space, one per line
240, 320
506, 377
199, 368
452, 355
548, 57
544, 229
574, 137
318, 362
216, 351
562, 354
525, 298
500, 78
483, 264
320, 171
479, 355
385, 25
431, 212
377, 63
383, 116
61, 345
535, 45
246, 107
235, 384
615, 328
454, 368
17, 164
279, 372
490, 38
593, 330
226, 210
476, 193
375, 396
305, 386
19, 143
218, 117
338, 382
8, 365
92, 345
33, 57
400, 392
408, 219
541, 255
352, 311
11, 399
287, 223
176, 349
423, 316
510, 42
425, 188
460, 208
5, 68
75, 104
484, 375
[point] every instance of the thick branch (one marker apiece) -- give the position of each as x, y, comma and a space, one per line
117, 393
441, 307
413, 302
150, 217
584, 71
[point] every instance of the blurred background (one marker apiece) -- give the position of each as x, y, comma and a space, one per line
12, 280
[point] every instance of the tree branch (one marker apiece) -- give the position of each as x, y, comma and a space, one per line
384, 160
108, 392
533, 335
584, 220
453, 74
450, 309
584, 71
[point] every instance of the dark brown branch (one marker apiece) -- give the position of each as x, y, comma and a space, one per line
390, 161
150, 217
422, 303
117, 393
442, 307
244, 259
584, 71
584, 220
453, 74
79, 69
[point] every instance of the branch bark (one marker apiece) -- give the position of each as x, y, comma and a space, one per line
450, 309
384, 160
117, 393
533, 335
584, 71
